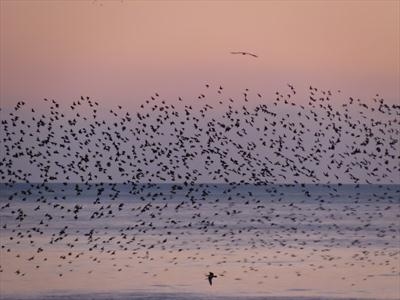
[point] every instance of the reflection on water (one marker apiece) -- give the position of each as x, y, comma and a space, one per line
270, 241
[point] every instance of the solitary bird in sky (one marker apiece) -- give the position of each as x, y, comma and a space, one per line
210, 277
244, 53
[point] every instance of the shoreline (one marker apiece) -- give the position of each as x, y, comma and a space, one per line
148, 295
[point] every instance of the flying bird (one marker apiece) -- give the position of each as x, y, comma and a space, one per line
210, 277
244, 53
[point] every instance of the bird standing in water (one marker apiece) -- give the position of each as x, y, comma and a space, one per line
210, 277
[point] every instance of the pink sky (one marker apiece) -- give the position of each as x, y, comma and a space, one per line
124, 51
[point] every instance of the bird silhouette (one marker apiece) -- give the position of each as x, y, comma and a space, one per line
210, 277
244, 53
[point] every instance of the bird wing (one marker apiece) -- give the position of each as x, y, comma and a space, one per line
251, 54
245, 53
210, 280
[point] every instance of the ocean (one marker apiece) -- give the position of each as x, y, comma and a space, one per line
159, 241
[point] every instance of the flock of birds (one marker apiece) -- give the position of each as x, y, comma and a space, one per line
225, 141
48, 159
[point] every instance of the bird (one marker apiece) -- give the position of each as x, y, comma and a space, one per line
244, 53
210, 277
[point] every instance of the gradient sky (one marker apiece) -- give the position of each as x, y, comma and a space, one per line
124, 51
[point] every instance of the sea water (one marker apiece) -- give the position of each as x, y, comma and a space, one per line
160, 240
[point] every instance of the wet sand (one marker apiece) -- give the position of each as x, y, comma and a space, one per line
250, 273
164, 296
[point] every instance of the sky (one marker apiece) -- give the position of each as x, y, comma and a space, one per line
124, 51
